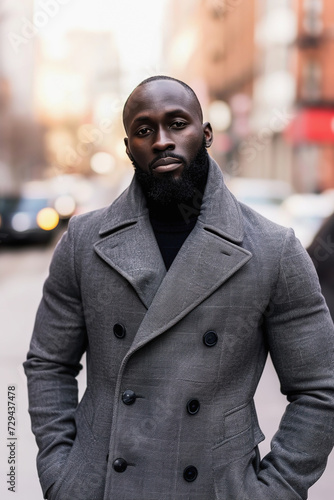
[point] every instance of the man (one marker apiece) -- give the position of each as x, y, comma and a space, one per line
321, 251
177, 292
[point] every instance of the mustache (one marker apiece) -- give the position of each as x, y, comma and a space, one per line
166, 154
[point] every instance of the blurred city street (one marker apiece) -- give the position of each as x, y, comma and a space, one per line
23, 271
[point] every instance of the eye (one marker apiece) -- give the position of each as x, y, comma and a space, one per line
143, 131
178, 124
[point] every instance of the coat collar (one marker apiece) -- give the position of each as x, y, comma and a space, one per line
219, 211
209, 256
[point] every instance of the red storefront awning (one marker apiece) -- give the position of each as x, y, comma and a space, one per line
311, 125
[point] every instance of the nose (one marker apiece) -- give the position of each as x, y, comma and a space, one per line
163, 140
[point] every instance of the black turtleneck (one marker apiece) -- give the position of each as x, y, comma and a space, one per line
171, 230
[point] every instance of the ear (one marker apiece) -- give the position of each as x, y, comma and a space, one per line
208, 134
126, 142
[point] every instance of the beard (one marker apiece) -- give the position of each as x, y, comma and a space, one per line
167, 191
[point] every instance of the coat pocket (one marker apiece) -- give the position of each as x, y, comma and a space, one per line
235, 458
84, 471
240, 430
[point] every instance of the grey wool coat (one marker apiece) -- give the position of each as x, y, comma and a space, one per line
174, 358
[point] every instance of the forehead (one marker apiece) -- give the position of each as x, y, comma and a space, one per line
158, 97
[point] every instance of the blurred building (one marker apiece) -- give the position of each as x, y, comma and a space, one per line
312, 131
227, 50
77, 96
21, 154
182, 42
74, 70
266, 66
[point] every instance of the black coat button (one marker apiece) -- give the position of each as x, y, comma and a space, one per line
128, 397
193, 406
190, 473
210, 338
119, 331
120, 465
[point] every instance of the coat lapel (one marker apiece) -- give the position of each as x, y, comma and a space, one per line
129, 246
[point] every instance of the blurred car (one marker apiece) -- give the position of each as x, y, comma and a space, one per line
27, 219
263, 195
306, 212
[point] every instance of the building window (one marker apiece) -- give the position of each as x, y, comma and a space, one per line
311, 81
217, 8
312, 21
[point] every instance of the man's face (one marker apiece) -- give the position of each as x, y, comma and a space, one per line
165, 131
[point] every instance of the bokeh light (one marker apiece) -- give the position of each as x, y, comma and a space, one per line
47, 219
102, 163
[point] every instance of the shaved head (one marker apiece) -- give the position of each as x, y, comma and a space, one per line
189, 90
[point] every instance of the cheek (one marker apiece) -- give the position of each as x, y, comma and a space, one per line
140, 156
192, 143
138, 151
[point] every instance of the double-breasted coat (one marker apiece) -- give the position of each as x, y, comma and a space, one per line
174, 358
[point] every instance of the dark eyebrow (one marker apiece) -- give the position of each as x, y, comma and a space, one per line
142, 119
177, 112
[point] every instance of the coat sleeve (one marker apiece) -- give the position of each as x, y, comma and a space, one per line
301, 343
53, 362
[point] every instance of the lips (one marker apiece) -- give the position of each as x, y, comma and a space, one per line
166, 164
